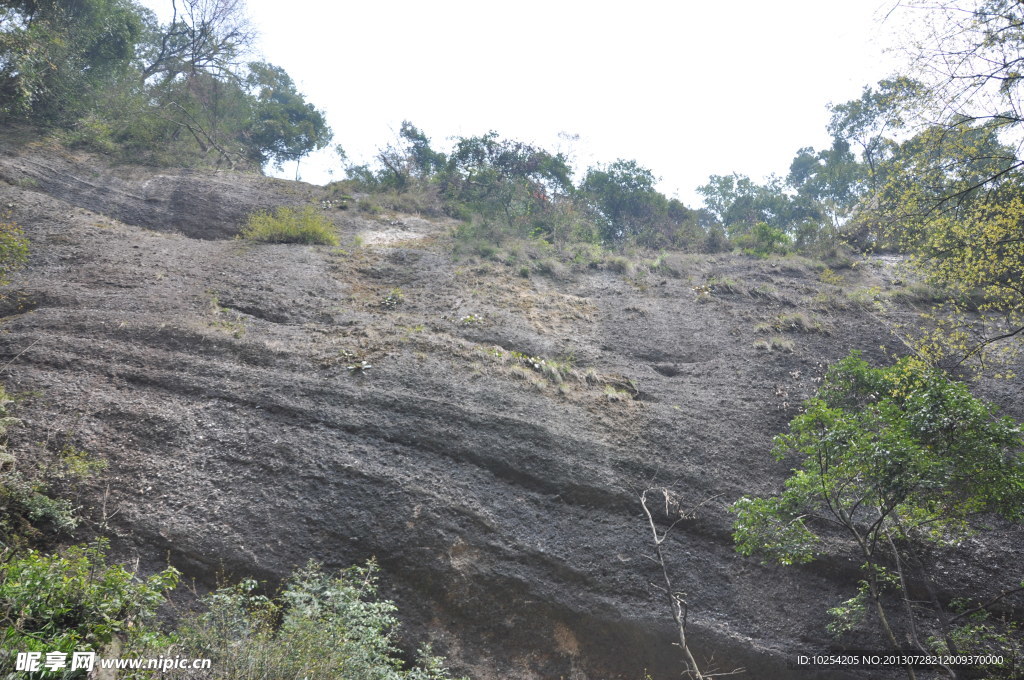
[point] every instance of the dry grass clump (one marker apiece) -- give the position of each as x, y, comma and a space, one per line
775, 343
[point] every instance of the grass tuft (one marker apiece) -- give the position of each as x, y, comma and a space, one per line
290, 225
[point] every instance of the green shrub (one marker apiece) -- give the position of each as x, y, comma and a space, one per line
775, 343
717, 241
290, 225
585, 256
320, 627
895, 458
724, 285
983, 634
798, 322
619, 265
75, 601
830, 277
418, 198
763, 240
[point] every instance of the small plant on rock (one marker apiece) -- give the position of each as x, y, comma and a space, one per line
394, 298
13, 249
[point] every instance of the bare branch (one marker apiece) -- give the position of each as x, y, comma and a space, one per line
677, 601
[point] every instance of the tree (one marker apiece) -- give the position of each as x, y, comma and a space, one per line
54, 55
894, 458
624, 196
413, 159
949, 193
203, 36
870, 122
504, 178
283, 126
739, 204
828, 181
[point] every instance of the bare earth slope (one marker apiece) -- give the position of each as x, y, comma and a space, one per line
499, 496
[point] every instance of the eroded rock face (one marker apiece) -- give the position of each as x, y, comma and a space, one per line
500, 495
206, 205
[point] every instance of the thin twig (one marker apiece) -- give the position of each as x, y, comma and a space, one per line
4, 367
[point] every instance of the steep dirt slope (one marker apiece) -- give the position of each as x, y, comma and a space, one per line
499, 493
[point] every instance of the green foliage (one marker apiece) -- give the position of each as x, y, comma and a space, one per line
320, 627
964, 237
624, 195
27, 502
890, 455
775, 343
290, 225
75, 601
55, 55
850, 613
283, 125
507, 182
831, 180
509, 191
409, 162
946, 170
983, 634
627, 207
738, 204
175, 93
869, 123
763, 240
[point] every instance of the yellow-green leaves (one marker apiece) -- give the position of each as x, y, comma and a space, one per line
291, 225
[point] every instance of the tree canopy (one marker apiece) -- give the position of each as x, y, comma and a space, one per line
624, 195
54, 54
180, 92
892, 458
946, 169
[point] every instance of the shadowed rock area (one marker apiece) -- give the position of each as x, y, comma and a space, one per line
500, 495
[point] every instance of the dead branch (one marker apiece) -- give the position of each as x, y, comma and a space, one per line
677, 601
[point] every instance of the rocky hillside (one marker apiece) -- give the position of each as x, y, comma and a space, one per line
483, 434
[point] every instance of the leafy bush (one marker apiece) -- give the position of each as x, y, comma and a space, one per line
75, 601
291, 225
775, 343
717, 241
320, 627
983, 634
763, 239
897, 458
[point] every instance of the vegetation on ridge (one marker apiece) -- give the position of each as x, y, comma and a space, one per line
177, 93
899, 461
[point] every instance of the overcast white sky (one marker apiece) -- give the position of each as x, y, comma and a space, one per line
688, 89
